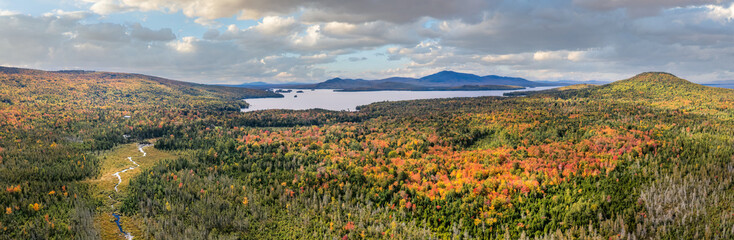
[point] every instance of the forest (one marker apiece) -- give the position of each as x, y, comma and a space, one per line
651, 156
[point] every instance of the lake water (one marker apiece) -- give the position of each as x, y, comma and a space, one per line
348, 101
721, 85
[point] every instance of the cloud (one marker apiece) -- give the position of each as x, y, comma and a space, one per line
280, 35
721, 13
292, 40
639, 8
65, 41
274, 25
511, 28
7, 13
103, 32
105, 7
186, 45
357, 59
141, 33
65, 14
314, 10
505, 58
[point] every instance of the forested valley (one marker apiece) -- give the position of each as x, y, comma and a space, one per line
647, 157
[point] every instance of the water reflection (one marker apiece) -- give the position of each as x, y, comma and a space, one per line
348, 101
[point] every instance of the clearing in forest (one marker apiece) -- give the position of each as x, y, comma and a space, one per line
121, 161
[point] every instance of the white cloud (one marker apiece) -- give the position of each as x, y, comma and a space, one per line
69, 15
275, 25
7, 13
574, 56
284, 75
340, 28
310, 38
547, 55
504, 58
639, 8
720, 13
186, 45
105, 7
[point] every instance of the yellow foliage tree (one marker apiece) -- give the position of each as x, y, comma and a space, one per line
35, 206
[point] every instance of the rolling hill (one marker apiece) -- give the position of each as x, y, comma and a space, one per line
657, 88
28, 96
658, 85
110, 78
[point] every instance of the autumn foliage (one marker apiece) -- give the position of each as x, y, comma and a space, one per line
607, 162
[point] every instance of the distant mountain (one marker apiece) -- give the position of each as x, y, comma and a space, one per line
338, 83
512, 81
385, 86
448, 77
444, 80
454, 79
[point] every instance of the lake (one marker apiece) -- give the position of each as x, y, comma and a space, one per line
721, 85
348, 101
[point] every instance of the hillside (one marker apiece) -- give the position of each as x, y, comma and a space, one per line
667, 91
658, 85
83, 90
655, 89
52, 124
109, 78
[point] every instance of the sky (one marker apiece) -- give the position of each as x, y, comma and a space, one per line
278, 41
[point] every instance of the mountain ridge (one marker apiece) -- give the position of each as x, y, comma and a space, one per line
440, 81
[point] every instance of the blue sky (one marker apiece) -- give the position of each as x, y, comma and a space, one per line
229, 41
